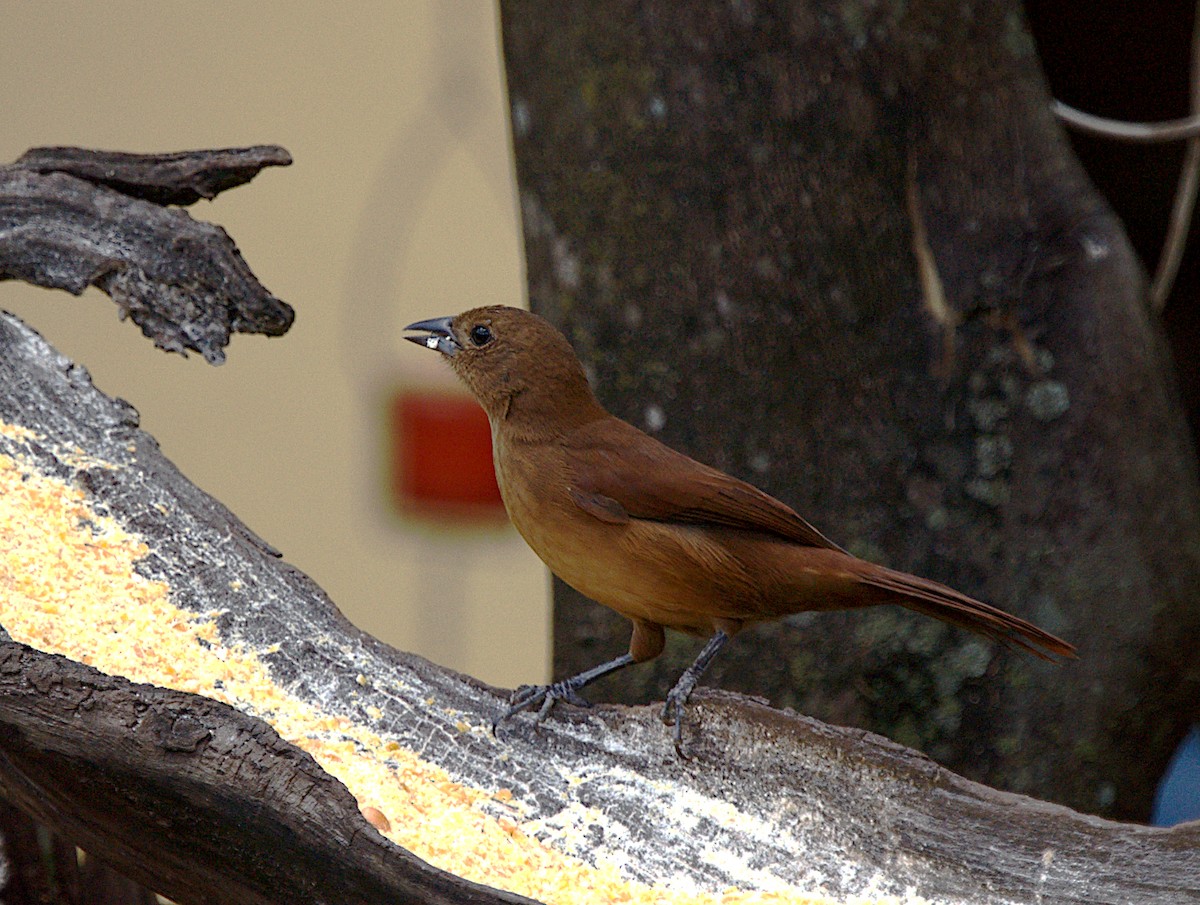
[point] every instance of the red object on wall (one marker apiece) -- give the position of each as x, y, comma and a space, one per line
441, 456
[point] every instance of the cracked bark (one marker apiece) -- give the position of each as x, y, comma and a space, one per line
72, 218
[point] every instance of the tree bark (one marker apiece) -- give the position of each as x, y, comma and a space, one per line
192, 798
845, 254
71, 218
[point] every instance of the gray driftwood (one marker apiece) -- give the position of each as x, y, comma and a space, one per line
204, 803
72, 218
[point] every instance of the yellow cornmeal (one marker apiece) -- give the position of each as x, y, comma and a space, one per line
67, 586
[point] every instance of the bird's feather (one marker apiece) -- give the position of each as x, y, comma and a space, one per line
949, 605
614, 461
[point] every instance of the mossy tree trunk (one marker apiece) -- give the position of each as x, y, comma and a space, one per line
842, 251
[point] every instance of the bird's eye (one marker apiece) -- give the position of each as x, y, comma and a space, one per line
481, 335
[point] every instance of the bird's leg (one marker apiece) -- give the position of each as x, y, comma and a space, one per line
564, 690
678, 696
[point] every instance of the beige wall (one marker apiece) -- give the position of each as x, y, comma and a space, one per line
399, 206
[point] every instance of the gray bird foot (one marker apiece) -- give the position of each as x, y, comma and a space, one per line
678, 696
529, 696
672, 715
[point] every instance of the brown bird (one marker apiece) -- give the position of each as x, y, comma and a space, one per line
665, 541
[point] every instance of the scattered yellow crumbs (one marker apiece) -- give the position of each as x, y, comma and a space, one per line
68, 586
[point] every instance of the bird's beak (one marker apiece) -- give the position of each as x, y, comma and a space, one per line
437, 335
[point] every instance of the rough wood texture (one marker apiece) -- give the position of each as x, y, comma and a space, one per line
190, 797
205, 803
180, 178
842, 251
72, 218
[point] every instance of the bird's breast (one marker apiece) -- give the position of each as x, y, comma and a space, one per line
581, 550
673, 575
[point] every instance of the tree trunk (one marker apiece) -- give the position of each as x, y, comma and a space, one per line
844, 253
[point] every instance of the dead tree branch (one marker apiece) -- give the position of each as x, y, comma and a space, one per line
71, 218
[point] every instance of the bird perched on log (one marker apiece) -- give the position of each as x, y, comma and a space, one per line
655, 535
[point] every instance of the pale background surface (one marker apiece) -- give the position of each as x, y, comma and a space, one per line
399, 206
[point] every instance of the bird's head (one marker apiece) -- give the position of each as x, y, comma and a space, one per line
515, 363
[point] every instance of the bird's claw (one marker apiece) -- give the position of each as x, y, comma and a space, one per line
559, 691
672, 715
529, 696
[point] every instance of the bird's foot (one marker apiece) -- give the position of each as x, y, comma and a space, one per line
678, 696
529, 696
673, 715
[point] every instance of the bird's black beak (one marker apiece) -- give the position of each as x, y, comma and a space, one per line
437, 335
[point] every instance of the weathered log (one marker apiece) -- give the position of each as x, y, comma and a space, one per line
183, 177
191, 797
72, 218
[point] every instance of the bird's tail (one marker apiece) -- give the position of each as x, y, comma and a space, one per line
944, 603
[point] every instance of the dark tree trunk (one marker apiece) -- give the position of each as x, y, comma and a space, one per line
844, 253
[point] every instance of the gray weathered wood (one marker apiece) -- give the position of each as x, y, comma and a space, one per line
183, 177
70, 219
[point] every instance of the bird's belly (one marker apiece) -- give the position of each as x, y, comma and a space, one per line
644, 570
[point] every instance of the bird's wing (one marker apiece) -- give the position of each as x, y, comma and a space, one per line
617, 472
